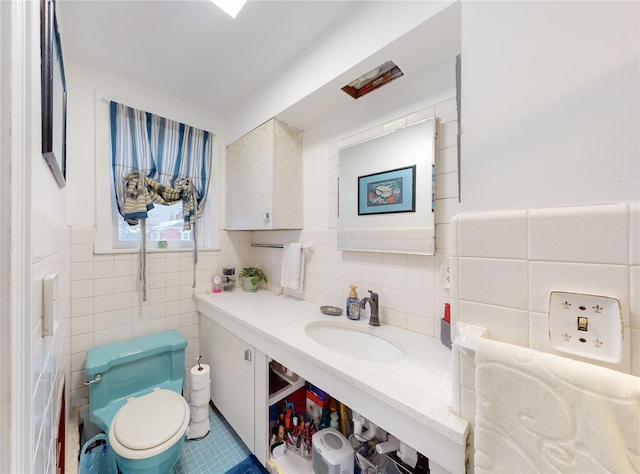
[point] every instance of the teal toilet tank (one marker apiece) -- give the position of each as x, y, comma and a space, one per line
132, 368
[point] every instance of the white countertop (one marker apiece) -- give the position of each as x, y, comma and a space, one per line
418, 386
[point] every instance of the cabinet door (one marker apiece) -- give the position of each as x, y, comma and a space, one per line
232, 377
250, 180
287, 177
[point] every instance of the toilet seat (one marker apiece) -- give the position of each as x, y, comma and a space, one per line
150, 424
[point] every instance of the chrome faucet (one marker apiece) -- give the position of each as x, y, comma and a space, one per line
374, 319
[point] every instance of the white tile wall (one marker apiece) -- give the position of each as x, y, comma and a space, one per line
50, 361
499, 258
586, 234
595, 279
634, 233
493, 235
502, 282
106, 303
410, 286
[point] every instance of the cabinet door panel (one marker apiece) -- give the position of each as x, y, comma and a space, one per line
264, 179
250, 180
232, 377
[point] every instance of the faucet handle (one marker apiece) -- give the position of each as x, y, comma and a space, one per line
374, 296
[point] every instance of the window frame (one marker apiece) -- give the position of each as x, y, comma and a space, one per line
107, 214
173, 244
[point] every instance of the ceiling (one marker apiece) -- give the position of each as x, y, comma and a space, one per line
156, 42
193, 51
419, 53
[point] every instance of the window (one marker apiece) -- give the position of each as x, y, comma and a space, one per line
164, 223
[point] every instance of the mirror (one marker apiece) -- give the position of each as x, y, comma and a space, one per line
385, 192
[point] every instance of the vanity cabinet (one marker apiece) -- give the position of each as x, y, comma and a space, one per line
264, 179
237, 368
242, 383
245, 384
408, 399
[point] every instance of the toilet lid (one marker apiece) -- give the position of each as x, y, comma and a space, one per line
150, 420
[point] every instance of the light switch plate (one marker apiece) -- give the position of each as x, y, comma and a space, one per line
50, 304
589, 326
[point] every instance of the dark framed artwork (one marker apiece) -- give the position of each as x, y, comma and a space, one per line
387, 191
54, 94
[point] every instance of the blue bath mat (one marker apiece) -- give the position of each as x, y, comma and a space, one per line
250, 465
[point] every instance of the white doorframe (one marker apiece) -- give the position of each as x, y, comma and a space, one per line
15, 241
5, 29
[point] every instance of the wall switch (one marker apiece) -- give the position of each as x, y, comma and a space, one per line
589, 326
49, 304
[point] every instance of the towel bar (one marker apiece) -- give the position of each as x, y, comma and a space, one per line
279, 246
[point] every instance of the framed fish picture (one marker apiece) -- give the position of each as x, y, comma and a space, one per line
387, 191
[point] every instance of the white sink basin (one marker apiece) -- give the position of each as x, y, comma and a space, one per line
354, 343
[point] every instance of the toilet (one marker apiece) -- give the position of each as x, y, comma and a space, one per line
135, 397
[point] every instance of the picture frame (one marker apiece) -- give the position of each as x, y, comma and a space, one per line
54, 94
387, 191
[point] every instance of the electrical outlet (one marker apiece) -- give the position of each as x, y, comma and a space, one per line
589, 326
445, 274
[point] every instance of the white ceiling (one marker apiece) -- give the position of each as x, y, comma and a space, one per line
190, 48
419, 53
193, 51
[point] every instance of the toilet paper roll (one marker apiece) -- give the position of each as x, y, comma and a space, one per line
407, 455
392, 444
200, 376
198, 430
199, 413
199, 398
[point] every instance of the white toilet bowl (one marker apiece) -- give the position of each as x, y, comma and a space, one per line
147, 432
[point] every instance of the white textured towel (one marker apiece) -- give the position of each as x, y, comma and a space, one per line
540, 413
292, 271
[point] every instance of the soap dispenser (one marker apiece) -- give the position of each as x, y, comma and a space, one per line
353, 303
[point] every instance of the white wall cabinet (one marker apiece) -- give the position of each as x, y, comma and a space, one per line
264, 179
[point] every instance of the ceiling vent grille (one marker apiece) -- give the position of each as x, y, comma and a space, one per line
374, 79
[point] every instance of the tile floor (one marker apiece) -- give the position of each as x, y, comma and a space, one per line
216, 453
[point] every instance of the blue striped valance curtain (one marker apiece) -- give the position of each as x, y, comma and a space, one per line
158, 161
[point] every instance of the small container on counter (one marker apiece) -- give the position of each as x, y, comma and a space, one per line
445, 326
229, 278
353, 303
